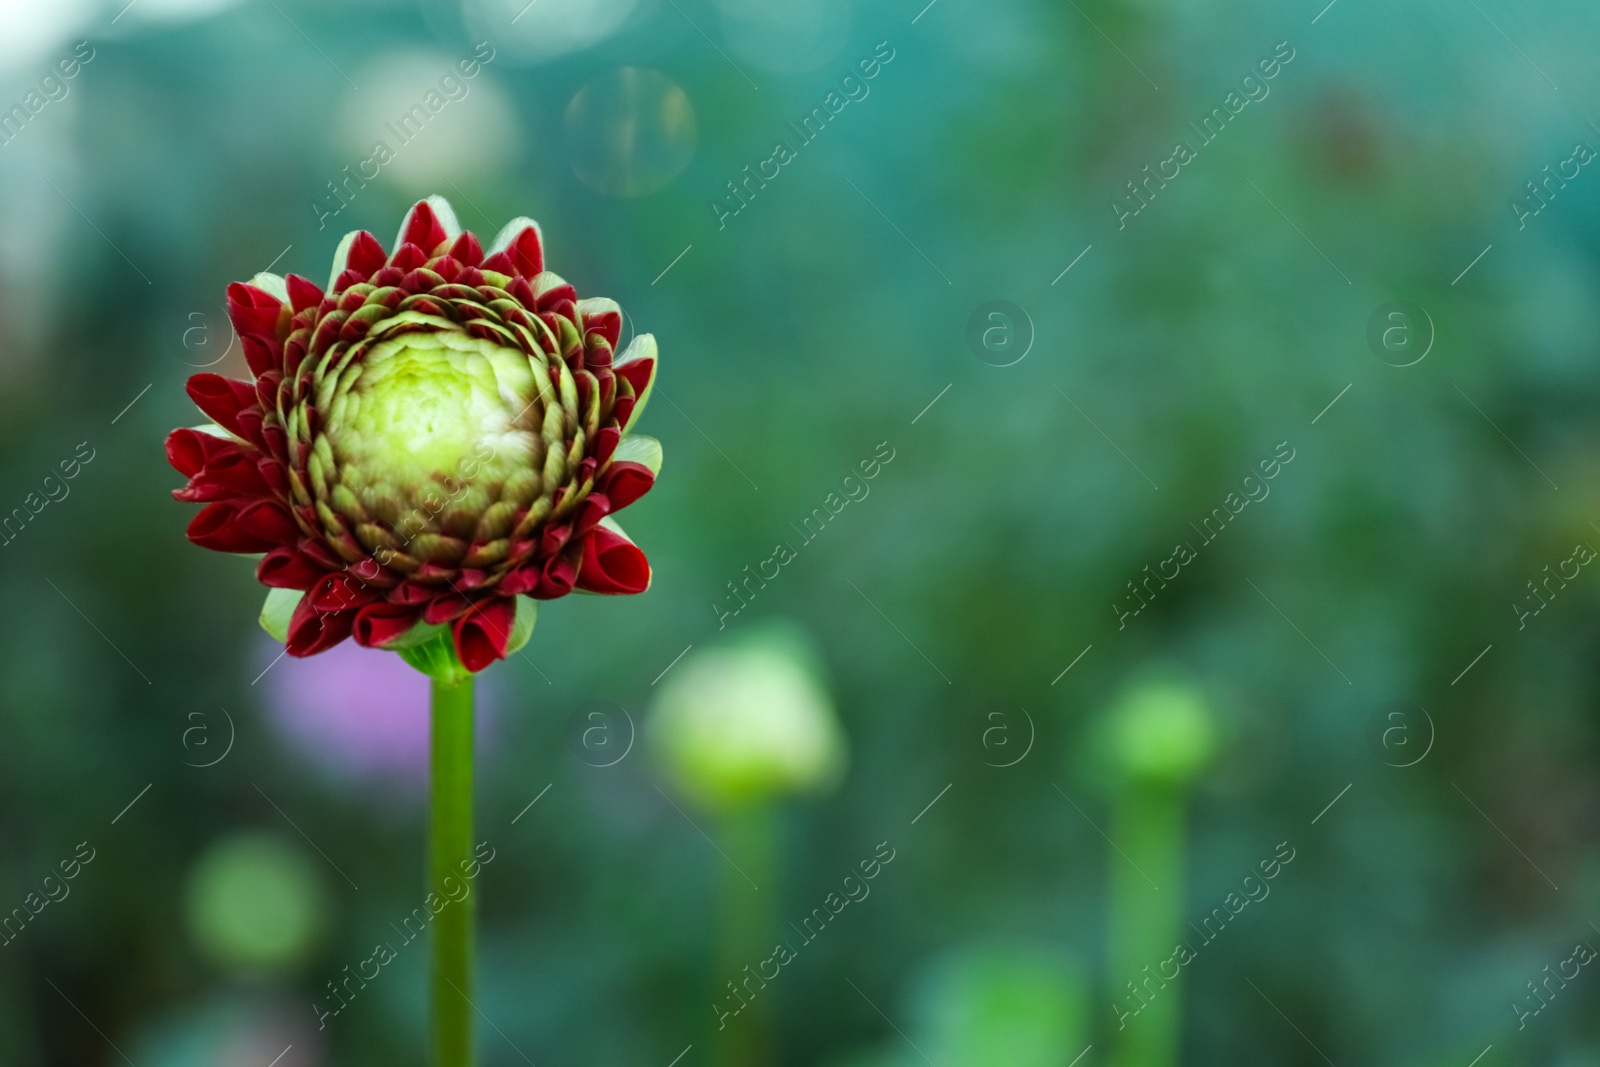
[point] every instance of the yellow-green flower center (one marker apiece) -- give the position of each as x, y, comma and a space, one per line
429, 406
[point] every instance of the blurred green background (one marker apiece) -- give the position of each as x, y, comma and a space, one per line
1053, 830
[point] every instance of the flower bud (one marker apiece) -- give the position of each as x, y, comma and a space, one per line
1160, 733
749, 720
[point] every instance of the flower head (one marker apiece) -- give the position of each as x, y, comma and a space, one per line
1161, 732
439, 436
749, 720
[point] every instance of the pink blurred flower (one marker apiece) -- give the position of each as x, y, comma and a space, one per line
358, 713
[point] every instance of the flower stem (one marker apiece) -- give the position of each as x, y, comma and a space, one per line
449, 843
1146, 922
749, 842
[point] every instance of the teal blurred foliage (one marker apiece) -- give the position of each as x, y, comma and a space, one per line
994, 1004
983, 1003
799, 336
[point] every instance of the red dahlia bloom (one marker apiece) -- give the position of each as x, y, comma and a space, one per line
441, 432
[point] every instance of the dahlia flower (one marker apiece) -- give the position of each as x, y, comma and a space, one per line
428, 446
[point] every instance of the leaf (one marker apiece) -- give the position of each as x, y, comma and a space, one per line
522, 628
436, 657
420, 634
278, 610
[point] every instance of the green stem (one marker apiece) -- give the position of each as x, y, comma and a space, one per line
1146, 924
449, 843
749, 842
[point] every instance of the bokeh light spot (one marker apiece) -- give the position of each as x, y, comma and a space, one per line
630, 132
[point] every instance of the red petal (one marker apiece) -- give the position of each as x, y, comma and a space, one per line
467, 250
607, 324
481, 634
340, 592
222, 399
434, 573
294, 350
637, 371
214, 528
423, 228
418, 281
366, 255
605, 443
557, 579
562, 299
446, 608
275, 475
350, 277
230, 478
275, 440
524, 581
553, 538
377, 624
250, 421
228, 474
268, 385
255, 312
303, 293
258, 316
315, 549
268, 520
199, 491
328, 331
259, 354
527, 252
500, 263
412, 593
284, 568
407, 257
595, 507
190, 450
371, 574
519, 288
627, 482
446, 267
312, 631
612, 564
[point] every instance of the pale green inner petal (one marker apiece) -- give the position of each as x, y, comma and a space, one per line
429, 406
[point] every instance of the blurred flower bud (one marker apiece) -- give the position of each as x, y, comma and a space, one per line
749, 720
255, 904
1160, 733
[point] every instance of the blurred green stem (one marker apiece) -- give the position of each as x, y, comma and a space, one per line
449, 843
1146, 921
745, 919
